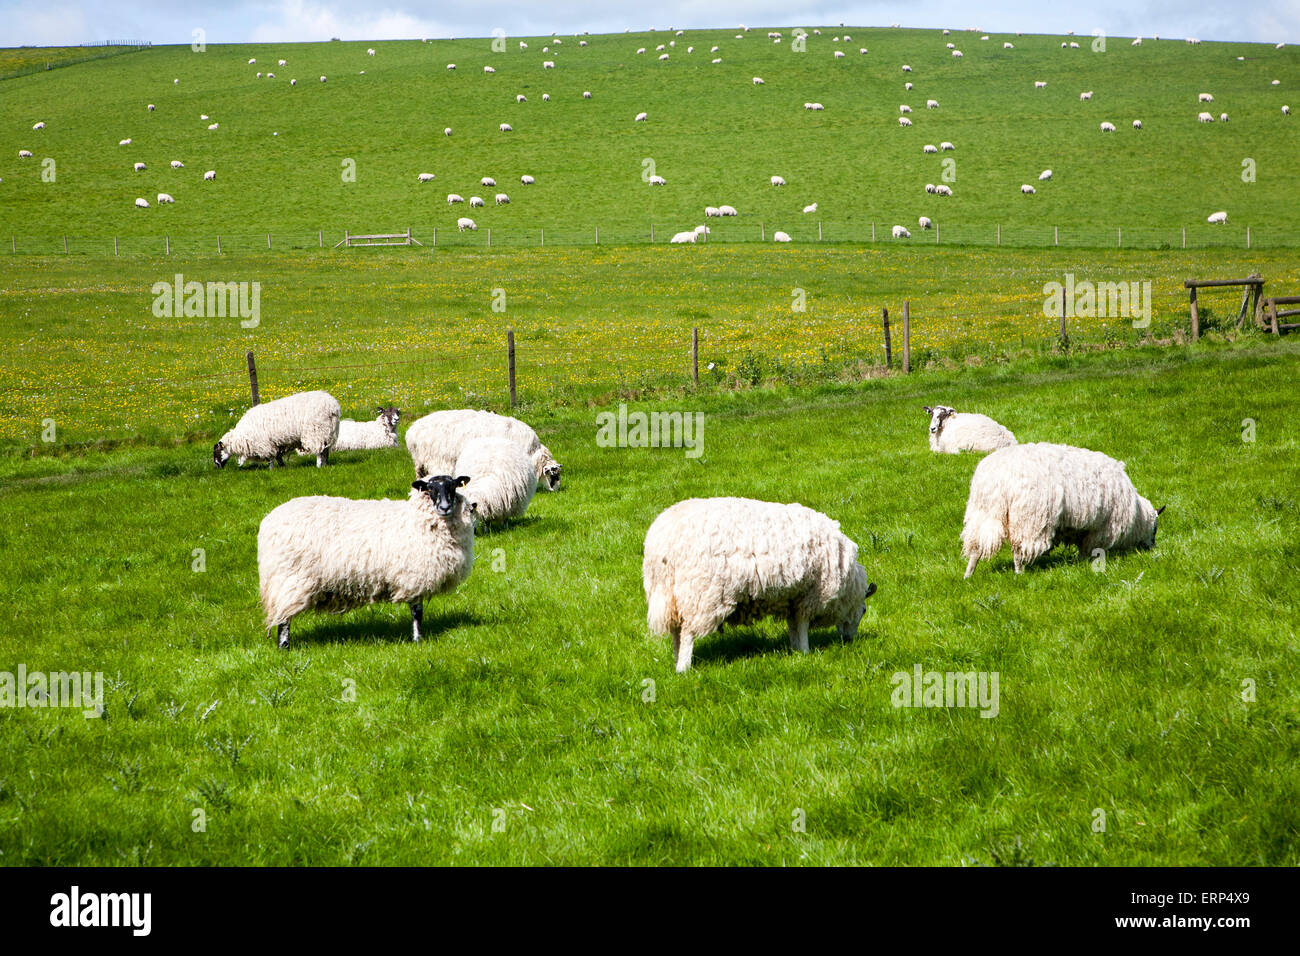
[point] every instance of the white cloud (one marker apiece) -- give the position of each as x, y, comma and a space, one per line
301, 21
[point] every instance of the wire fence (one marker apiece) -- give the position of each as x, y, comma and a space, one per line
106, 48
1279, 235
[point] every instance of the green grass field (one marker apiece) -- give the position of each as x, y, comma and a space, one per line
712, 134
541, 723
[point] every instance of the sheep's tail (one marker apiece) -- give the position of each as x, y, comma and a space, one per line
982, 536
662, 614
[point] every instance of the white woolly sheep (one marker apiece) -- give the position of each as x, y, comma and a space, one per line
451, 66
1039, 495
904, 108
322, 79
758, 81
506, 128
929, 148
778, 181
1204, 98
546, 97
714, 561
586, 94
1223, 117
1086, 96
426, 177
727, 211
487, 181
924, 222
476, 202
1108, 127
711, 212
520, 98
210, 175
906, 68
683, 237
306, 420
40, 125
946, 146
1205, 117
904, 121
930, 187
177, 164
527, 180
1045, 175
27, 154
839, 54
1286, 111
1217, 218
1137, 124
702, 230
952, 431
907, 87
639, 118
943, 190
152, 107
213, 125
1027, 189
165, 198
1008, 46
900, 232
453, 198
550, 64
381, 432
779, 236
464, 223
1040, 84
436, 440
370, 53
502, 199
931, 104
336, 554
139, 167
957, 54
657, 181
811, 207
142, 203
488, 69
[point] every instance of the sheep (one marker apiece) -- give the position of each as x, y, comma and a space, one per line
139, 167
1204, 98
907, 87
1217, 218
426, 177
1205, 117
951, 46
1108, 127
306, 420
1137, 42
1074, 45
929, 148
142, 203
931, 104
943, 190
714, 561
924, 223
1044, 175
322, 79
702, 230
716, 59
642, 50
520, 98
900, 232
1039, 494
527, 180
453, 198
930, 187
502, 199
487, 181
1223, 117
778, 181
446, 131
40, 125
506, 128
952, 431
464, 223
711, 212
282, 63
213, 125
165, 198
177, 164
1008, 46
946, 146
27, 154
1086, 96
586, 94
550, 64
1286, 110
906, 68
758, 81
904, 121
210, 176
1040, 84
683, 237
727, 211
370, 53
152, 107
657, 181
436, 440
839, 54
779, 236
451, 66
811, 207
639, 118
336, 554
546, 97
663, 56
1275, 83
904, 108
381, 432
956, 54
862, 50
1027, 189
1137, 124
488, 69
293, 82
815, 107
476, 202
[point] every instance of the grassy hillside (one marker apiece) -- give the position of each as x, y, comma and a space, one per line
540, 723
714, 136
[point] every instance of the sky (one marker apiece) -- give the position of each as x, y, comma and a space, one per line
68, 22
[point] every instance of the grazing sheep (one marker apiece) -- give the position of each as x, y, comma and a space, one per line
906, 68
487, 181
663, 56
727, 211
946, 146
322, 79
1137, 42
527, 180
929, 148
446, 131
683, 237
370, 53
839, 54
453, 198
907, 87
904, 108
642, 50
142, 203
463, 223
714, 561
930, 187
924, 223
520, 98
40, 125
1205, 117
900, 232
952, 432
586, 94
779, 236
943, 190
282, 63
1040, 84
1204, 98
1027, 189
904, 121
164, 198
502, 480
639, 118
502, 199
488, 69
506, 128
1038, 495
306, 420
1086, 96
27, 154
1286, 111
451, 66
956, 54
139, 167
213, 125
657, 181
210, 175
1074, 45
951, 46
1044, 175
1008, 46
152, 107
931, 104
716, 60
381, 432
1108, 127
758, 81
293, 82
550, 64
1137, 124
475, 202
778, 181
1223, 117
177, 164
711, 212
1217, 218
702, 230
426, 177
336, 554
436, 440
811, 207
546, 97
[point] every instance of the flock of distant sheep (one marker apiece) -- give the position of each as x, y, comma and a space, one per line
706, 561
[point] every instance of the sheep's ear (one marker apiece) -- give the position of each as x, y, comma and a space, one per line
462, 480
420, 484
928, 409
1160, 510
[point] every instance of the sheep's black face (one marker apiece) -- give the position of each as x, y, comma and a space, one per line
219, 455
441, 490
390, 415
552, 475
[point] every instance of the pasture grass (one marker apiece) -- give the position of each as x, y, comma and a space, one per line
522, 731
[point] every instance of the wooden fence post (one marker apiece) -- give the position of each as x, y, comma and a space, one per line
1184, 237
115, 245
1064, 338
762, 232
907, 337
218, 245
884, 322
268, 240
873, 232
543, 235
936, 232
435, 235
65, 240
320, 237
1119, 237
252, 377
1196, 317
819, 232
598, 235
1056, 236
999, 234
1248, 237
168, 240
652, 232
695, 355
510, 363
489, 237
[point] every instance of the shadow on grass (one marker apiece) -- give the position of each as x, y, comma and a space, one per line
750, 641
323, 629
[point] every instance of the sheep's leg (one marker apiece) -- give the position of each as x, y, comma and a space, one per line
970, 565
323, 458
676, 634
683, 645
417, 619
799, 631
282, 635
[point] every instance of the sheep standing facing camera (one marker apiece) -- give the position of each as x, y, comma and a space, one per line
1039, 495
715, 561
502, 480
307, 420
336, 554
952, 431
